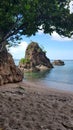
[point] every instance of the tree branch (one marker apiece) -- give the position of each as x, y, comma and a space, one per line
9, 34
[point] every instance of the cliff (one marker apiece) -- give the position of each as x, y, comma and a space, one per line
35, 58
9, 72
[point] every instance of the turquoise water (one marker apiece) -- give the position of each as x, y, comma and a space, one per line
60, 77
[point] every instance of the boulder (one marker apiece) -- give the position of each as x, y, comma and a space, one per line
58, 62
36, 58
9, 72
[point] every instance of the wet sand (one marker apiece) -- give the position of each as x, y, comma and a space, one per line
27, 106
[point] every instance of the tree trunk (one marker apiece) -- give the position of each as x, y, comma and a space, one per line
9, 72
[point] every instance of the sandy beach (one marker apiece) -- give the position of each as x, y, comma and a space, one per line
25, 106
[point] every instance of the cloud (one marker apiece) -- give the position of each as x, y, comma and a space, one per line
18, 52
57, 37
71, 7
40, 32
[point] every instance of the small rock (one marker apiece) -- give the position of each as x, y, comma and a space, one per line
58, 62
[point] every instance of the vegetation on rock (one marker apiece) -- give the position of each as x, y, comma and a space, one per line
35, 58
23, 61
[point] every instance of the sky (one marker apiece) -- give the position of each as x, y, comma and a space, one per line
56, 46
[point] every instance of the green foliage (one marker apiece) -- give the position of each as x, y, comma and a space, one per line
39, 50
24, 17
23, 61
43, 50
32, 45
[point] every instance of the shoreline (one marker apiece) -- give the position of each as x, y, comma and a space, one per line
25, 106
28, 85
35, 86
54, 86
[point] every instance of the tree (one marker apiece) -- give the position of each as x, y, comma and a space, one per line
24, 17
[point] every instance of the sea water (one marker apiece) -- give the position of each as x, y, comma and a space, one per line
60, 77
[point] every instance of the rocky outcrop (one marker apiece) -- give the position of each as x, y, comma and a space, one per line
9, 72
36, 59
58, 62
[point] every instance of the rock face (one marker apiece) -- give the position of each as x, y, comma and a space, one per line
9, 72
36, 57
58, 62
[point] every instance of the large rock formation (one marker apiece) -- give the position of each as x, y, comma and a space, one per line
9, 72
35, 59
58, 62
